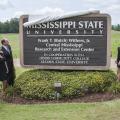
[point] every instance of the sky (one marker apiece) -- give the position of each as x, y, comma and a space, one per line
14, 8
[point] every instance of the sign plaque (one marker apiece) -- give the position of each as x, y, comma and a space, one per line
80, 42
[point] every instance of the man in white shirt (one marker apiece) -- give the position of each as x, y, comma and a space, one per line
7, 49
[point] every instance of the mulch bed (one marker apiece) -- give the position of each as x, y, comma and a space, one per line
99, 97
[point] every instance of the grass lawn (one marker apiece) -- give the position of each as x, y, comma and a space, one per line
14, 41
67, 111
115, 42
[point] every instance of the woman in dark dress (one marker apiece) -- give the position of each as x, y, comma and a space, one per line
6, 48
118, 64
3, 71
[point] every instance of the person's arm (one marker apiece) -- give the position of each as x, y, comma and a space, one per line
2, 58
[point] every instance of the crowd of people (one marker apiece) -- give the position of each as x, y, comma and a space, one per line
7, 69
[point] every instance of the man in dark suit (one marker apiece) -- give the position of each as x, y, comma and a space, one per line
6, 48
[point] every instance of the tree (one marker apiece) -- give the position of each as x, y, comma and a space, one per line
11, 26
14, 25
116, 27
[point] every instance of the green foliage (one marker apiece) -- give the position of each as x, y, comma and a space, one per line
11, 26
116, 27
39, 84
10, 91
115, 87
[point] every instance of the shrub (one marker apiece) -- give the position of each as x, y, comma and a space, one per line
10, 91
115, 87
39, 84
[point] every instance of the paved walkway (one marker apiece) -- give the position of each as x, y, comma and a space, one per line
17, 63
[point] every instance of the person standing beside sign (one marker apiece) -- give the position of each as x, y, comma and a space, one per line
6, 48
118, 64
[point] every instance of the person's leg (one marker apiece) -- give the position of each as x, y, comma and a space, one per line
5, 85
118, 74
